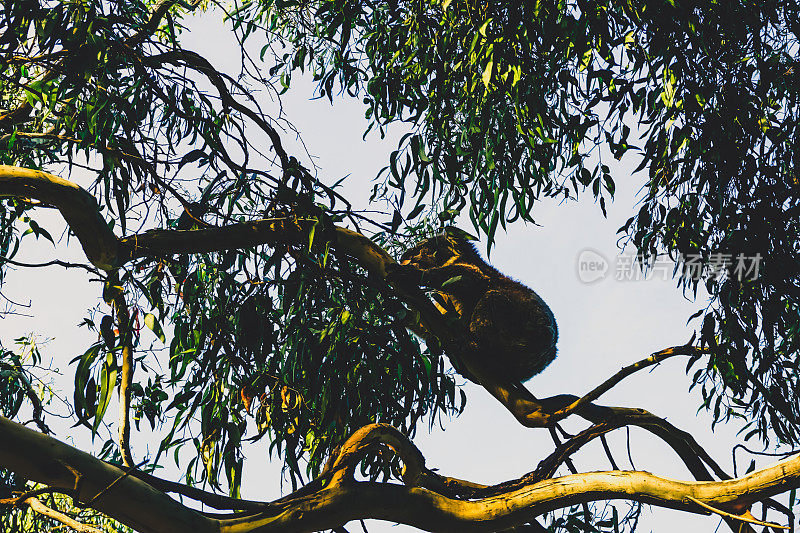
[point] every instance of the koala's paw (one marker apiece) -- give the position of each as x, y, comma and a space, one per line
394, 271
402, 274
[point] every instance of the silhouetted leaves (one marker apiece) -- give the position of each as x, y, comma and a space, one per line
508, 103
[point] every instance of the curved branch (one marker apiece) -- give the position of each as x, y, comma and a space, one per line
217, 501
37, 506
106, 251
131, 501
652, 359
200, 64
78, 207
746, 517
353, 449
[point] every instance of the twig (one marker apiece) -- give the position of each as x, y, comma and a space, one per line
54, 262
217, 501
587, 516
108, 487
38, 409
754, 452
18, 500
742, 518
159, 11
608, 452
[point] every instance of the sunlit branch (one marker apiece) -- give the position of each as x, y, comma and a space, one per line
37, 506
125, 327
135, 503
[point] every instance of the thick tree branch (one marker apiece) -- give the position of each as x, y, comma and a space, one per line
78, 207
106, 251
352, 451
134, 503
131, 501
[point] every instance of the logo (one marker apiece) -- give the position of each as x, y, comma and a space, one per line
592, 266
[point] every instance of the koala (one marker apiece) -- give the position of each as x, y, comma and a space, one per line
512, 332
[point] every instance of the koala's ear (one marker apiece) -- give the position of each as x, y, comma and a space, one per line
458, 233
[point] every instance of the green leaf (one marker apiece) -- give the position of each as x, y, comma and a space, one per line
454, 279
108, 381
311, 234
586, 59
487, 74
416, 211
152, 322
482, 29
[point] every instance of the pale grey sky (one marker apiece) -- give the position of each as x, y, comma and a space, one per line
602, 326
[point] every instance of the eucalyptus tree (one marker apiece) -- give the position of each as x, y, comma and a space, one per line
269, 289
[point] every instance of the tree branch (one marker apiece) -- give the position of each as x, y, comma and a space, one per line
604, 387
746, 517
78, 207
352, 451
126, 377
131, 501
36, 505
217, 501
136, 504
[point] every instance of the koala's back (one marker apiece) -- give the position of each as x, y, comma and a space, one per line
513, 329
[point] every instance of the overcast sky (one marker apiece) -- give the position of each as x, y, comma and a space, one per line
603, 325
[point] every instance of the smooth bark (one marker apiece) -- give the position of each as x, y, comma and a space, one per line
135, 503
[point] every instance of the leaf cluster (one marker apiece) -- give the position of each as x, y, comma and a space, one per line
510, 102
297, 337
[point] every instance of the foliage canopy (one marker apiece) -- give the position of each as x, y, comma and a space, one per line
505, 104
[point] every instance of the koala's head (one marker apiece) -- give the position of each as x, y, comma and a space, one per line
438, 250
